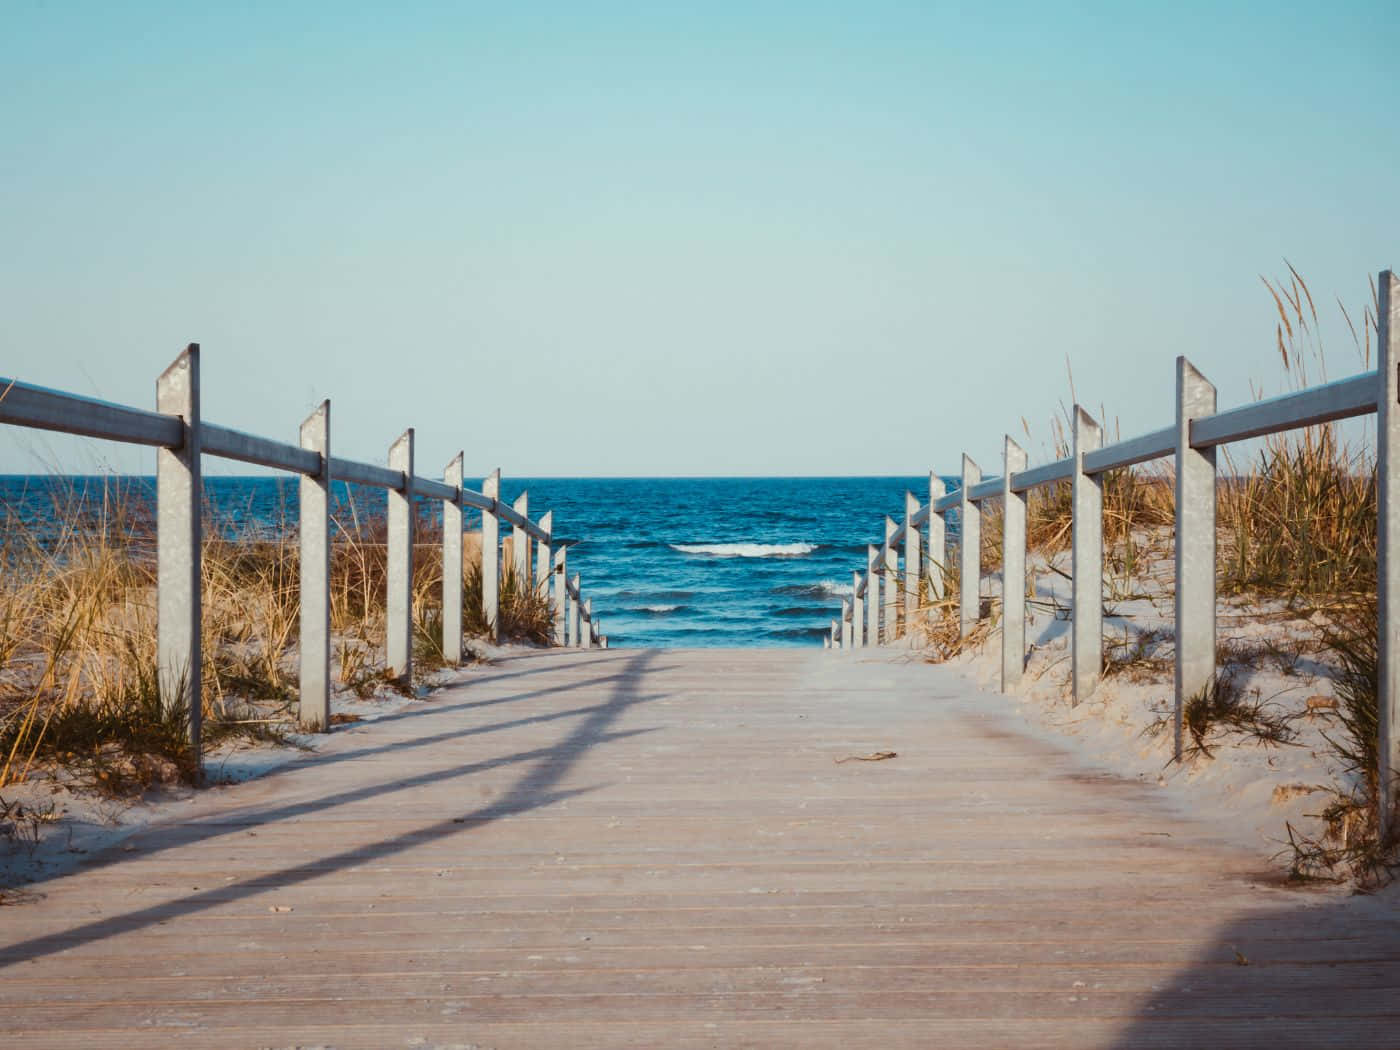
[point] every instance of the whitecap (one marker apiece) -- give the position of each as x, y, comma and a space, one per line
746, 550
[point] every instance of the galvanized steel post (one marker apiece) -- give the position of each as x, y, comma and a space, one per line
890, 591
1388, 562
561, 597
452, 563
937, 539
574, 611
857, 613
179, 540
969, 551
542, 559
912, 575
314, 529
1195, 546
1086, 657
1013, 568
872, 597
398, 642
491, 558
520, 545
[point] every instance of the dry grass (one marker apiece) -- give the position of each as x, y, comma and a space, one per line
1350, 845
1296, 523
77, 633
1222, 706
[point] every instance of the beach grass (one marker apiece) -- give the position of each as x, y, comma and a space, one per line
78, 686
1296, 520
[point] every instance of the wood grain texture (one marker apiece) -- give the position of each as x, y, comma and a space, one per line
659, 849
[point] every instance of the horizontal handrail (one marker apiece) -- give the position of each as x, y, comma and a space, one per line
182, 438
1342, 399
1129, 453
1327, 403
366, 474
1060, 470
215, 440
27, 405
987, 489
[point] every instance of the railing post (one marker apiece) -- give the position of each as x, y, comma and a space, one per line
1388, 549
452, 563
520, 545
491, 558
872, 598
889, 593
969, 551
179, 543
542, 558
937, 538
561, 597
835, 634
846, 642
1086, 492
857, 613
314, 529
1195, 545
1013, 568
574, 611
588, 619
912, 574
398, 644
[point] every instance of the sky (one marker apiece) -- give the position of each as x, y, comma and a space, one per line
716, 239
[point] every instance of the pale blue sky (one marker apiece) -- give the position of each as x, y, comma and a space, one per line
585, 239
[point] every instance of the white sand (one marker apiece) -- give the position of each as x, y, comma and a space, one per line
1252, 789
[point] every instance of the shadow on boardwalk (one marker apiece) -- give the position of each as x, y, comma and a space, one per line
1299, 977
536, 789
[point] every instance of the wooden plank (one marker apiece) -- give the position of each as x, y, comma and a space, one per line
604, 848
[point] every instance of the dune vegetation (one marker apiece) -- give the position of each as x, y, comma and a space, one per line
1296, 521
78, 688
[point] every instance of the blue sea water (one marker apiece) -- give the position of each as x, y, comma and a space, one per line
667, 561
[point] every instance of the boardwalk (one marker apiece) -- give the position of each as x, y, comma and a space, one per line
659, 849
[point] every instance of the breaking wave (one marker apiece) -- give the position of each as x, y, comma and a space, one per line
746, 550
824, 589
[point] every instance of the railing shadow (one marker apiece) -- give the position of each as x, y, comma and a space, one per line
536, 789
1309, 976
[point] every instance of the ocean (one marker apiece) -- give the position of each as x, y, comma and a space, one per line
667, 561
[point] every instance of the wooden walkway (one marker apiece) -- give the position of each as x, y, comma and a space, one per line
659, 849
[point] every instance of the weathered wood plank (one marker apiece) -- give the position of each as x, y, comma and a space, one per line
602, 848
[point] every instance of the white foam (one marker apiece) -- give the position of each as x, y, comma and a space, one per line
746, 550
660, 608
834, 589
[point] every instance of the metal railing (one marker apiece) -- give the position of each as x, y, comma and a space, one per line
181, 437
870, 618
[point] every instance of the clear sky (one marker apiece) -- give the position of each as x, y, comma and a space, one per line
750, 238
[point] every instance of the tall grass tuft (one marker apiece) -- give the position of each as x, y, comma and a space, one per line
77, 629
527, 613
